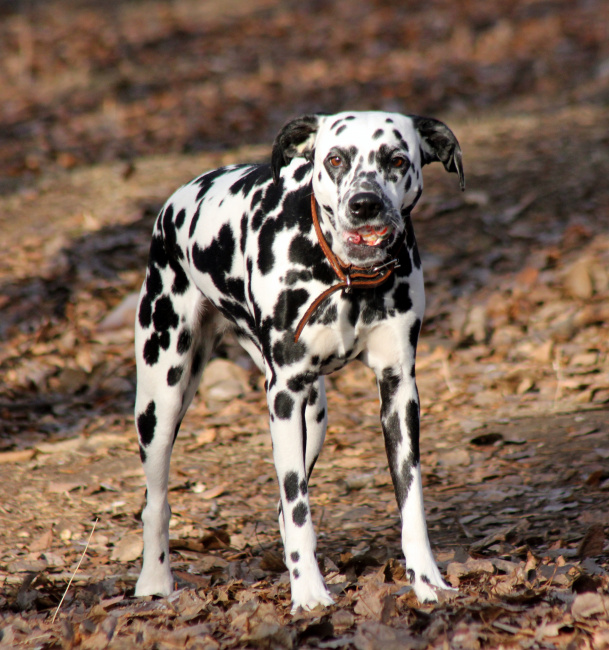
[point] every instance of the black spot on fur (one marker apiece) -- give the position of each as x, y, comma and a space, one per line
296, 574
244, 231
158, 254
400, 138
154, 282
162, 557
180, 281
369, 315
341, 129
184, 341
301, 381
206, 181
414, 333
266, 238
164, 340
283, 405
295, 556
180, 218
235, 288
287, 306
303, 487
302, 171
146, 424
287, 352
354, 309
320, 416
377, 134
415, 256
401, 476
401, 297
313, 395
388, 386
290, 486
195, 220
412, 422
164, 317
197, 360
292, 276
257, 175
151, 350
171, 236
299, 514
142, 454
217, 258
301, 249
174, 375
145, 312
272, 197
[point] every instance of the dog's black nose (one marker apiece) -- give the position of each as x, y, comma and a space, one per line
365, 206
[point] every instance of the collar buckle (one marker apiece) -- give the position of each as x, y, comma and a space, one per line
394, 264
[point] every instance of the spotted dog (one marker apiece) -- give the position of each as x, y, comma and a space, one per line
311, 261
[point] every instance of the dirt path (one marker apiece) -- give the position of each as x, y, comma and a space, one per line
513, 366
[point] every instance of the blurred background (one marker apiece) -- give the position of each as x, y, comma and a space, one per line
106, 108
85, 82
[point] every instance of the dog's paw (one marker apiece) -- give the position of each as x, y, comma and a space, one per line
428, 592
428, 584
309, 592
154, 585
425, 576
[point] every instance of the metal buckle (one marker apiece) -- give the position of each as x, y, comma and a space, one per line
394, 263
348, 281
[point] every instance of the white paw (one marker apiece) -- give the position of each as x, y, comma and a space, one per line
428, 580
159, 584
308, 592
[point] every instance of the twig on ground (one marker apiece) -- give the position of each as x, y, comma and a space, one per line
82, 557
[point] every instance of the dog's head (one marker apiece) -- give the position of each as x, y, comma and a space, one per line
367, 173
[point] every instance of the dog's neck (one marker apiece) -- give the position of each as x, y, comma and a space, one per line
349, 276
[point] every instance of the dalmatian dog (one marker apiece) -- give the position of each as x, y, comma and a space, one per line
311, 261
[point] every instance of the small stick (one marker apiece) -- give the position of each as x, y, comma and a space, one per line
82, 557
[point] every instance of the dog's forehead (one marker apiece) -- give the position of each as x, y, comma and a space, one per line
366, 130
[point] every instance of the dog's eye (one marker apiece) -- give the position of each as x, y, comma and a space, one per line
336, 161
398, 161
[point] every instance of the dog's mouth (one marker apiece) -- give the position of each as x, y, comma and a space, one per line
368, 235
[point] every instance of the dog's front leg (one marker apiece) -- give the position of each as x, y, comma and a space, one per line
400, 422
287, 413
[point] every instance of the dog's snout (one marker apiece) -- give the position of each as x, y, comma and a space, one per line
365, 206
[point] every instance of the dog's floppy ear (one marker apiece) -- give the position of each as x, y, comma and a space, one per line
438, 143
296, 139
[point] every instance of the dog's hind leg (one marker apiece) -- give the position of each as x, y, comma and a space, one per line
175, 335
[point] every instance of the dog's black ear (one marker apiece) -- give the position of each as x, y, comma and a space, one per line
296, 139
438, 143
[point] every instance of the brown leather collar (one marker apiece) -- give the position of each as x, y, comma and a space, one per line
350, 276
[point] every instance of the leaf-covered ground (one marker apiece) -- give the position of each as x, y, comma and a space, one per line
104, 112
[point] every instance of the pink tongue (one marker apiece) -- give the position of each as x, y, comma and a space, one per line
354, 238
